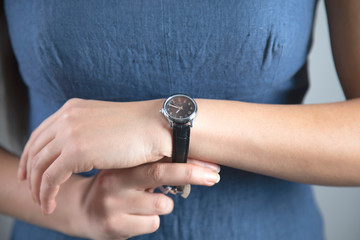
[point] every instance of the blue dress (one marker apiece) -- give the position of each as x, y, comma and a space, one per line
126, 50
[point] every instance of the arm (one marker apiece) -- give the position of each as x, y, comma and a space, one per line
316, 144
15, 199
313, 144
344, 19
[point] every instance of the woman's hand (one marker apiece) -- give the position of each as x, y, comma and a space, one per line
118, 204
87, 134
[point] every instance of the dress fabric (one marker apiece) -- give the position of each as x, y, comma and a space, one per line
129, 50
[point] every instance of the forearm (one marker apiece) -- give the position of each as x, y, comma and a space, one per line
318, 144
15, 199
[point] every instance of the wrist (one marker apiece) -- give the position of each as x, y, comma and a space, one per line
161, 132
180, 111
73, 206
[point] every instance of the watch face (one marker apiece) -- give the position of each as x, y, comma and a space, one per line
180, 108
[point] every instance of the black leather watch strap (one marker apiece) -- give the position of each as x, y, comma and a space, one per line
181, 139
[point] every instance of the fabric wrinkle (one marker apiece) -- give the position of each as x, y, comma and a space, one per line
252, 51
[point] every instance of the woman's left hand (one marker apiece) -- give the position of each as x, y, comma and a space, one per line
121, 203
87, 134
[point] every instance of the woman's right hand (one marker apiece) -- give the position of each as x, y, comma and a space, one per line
118, 204
87, 134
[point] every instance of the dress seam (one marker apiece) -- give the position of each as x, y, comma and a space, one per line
166, 46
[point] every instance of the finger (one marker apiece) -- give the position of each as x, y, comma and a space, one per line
57, 173
157, 174
146, 203
212, 166
47, 136
21, 174
40, 163
209, 165
24, 156
133, 225
44, 125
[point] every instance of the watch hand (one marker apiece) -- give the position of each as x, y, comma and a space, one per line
170, 105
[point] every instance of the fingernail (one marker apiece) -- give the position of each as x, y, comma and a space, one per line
211, 177
213, 167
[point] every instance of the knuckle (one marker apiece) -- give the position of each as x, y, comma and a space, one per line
32, 153
76, 142
47, 179
161, 204
36, 163
69, 115
189, 173
72, 102
110, 202
112, 227
155, 172
104, 180
125, 233
37, 159
33, 135
107, 225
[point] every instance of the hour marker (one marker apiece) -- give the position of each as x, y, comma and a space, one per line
189, 112
189, 104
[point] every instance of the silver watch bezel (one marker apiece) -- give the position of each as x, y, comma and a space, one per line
173, 120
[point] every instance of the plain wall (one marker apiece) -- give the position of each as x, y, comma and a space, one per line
339, 206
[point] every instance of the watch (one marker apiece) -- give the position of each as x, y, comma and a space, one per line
180, 110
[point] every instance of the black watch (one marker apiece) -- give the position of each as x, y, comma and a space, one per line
180, 110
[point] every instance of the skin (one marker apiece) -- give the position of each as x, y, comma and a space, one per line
316, 144
94, 207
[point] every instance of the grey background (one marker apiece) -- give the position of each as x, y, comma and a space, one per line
339, 206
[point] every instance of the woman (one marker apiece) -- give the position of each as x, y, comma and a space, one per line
251, 54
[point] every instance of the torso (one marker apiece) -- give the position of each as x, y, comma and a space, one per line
252, 51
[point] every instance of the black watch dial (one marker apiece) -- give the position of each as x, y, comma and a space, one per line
180, 107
